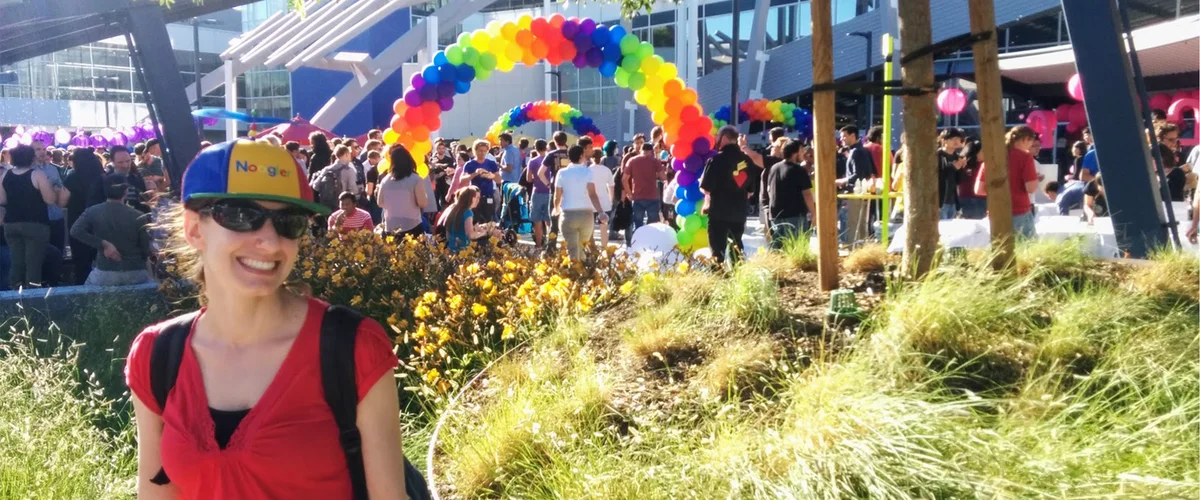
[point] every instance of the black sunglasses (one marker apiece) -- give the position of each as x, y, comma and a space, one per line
243, 216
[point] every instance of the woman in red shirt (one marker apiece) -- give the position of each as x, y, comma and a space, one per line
247, 417
1022, 179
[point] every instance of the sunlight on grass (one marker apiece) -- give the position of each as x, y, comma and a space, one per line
750, 298
1171, 276
737, 370
866, 259
798, 251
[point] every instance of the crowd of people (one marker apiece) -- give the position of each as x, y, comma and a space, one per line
97, 208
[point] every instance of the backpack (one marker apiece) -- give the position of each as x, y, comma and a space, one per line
329, 185
339, 329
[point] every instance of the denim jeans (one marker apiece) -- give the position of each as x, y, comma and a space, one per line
1023, 225
973, 208
645, 212
100, 277
946, 212
785, 228
843, 217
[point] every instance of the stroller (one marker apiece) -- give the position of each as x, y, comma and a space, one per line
514, 213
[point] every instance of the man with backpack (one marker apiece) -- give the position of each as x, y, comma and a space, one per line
335, 179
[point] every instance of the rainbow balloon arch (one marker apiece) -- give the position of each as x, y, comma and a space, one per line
546, 111
762, 110
614, 52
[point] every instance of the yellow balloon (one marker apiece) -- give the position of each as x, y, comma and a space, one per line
700, 239
384, 166
657, 103
668, 71
525, 22
493, 28
509, 30
642, 97
650, 65
505, 64
390, 136
480, 40
655, 84
422, 169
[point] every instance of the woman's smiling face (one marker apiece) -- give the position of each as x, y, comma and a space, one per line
249, 264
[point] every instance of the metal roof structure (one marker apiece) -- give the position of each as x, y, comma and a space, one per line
38, 27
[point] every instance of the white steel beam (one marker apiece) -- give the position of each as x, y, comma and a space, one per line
345, 28
309, 30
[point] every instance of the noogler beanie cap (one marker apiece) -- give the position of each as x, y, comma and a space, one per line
249, 170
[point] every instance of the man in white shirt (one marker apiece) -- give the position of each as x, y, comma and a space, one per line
602, 177
576, 202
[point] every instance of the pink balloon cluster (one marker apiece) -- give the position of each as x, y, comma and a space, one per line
951, 101
1043, 122
1074, 114
1164, 100
107, 137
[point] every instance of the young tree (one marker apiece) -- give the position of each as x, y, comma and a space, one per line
991, 121
920, 128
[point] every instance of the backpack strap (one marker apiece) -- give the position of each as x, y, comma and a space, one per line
165, 356
339, 332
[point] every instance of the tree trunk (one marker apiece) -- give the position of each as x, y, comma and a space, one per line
991, 121
920, 129
825, 146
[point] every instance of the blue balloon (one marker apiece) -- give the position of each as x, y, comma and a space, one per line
600, 36
439, 59
612, 52
692, 193
608, 69
465, 73
616, 33
681, 192
685, 208
446, 73
462, 87
431, 75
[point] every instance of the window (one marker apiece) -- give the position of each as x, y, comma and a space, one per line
664, 41
1042, 31
805, 23
845, 10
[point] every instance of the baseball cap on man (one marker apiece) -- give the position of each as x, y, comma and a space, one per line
251, 171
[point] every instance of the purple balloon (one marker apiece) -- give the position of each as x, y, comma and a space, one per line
26, 139
61, 136
677, 164
98, 142
412, 98
570, 29
582, 42
446, 89
685, 178
119, 139
580, 60
595, 57
11, 142
417, 81
587, 26
694, 163
427, 93
446, 103
79, 141
701, 145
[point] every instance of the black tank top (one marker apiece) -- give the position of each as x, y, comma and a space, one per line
25, 202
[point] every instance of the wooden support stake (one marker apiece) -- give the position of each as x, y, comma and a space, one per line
920, 128
824, 145
991, 121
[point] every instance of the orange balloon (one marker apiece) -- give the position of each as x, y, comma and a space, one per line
539, 49
673, 107
556, 21
399, 106
671, 126
673, 87
688, 96
529, 60
420, 133
524, 39
398, 123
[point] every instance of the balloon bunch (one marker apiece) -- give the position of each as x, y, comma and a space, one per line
545, 111
762, 110
107, 137
617, 54
1074, 114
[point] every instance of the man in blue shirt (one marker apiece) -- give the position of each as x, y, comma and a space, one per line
512, 163
484, 174
1070, 197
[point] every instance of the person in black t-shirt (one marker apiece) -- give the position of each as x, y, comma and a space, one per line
724, 184
950, 166
1094, 203
788, 196
1176, 178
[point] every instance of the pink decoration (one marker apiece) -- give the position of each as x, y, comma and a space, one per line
1175, 115
951, 101
1042, 121
1063, 112
1072, 128
1079, 116
1075, 87
1161, 100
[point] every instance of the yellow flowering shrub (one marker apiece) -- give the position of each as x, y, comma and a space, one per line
447, 311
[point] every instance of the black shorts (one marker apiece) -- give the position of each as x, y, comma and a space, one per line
486, 211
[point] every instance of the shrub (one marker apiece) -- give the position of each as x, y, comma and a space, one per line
866, 259
750, 298
798, 251
1171, 277
738, 370
49, 444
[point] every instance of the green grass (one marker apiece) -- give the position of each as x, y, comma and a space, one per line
50, 444
798, 252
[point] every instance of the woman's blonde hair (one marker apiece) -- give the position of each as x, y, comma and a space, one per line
189, 263
1018, 133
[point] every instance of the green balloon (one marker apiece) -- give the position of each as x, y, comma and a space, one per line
622, 77
685, 238
692, 223
629, 44
454, 54
679, 221
703, 221
464, 40
470, 55
483, 74
487, 61
631, 63
645, 50
636, 81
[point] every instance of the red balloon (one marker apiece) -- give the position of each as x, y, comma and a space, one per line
434, 123
689, 113
568, 52
414, 116
681, 149
557, 20
431, 110
539, 25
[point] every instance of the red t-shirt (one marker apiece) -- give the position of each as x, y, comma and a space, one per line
1021, 169
358, 220
286, 447
876, 155
643, 172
